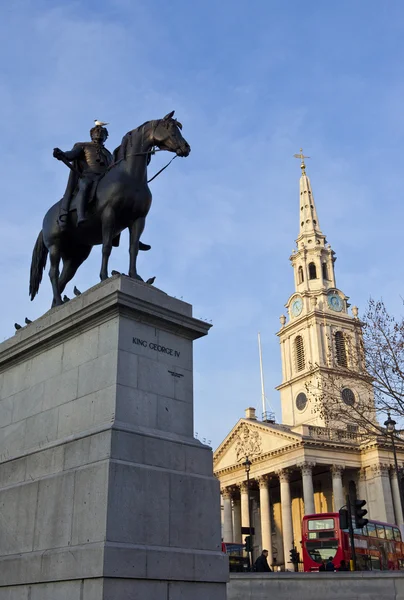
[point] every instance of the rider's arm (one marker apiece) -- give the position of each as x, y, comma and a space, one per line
75, 153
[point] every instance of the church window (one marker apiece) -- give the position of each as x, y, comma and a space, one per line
301, 401
325, 271
348, 397
312, 271
340, 349
301, 276
299, 353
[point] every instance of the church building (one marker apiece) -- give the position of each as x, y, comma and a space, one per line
306, 464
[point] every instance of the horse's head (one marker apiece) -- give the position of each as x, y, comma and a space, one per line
167, 136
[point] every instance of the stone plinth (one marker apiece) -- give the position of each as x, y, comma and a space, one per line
104, 492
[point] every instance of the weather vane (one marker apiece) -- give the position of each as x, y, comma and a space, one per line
302, 157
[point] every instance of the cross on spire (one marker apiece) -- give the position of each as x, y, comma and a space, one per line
302, 157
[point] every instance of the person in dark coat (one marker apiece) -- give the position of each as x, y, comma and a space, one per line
330, 565
322, 566
261, 564
343, 566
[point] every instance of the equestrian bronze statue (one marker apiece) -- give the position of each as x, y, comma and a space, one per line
112, 198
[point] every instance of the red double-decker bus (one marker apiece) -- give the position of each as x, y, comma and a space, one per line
378, 546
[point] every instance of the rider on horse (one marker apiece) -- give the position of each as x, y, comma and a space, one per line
90, 161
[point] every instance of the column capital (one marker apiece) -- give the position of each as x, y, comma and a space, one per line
380, 470
226, 493
393, 471
362, 474
306, 467
263, 481
243, 486
336, 470
284, 475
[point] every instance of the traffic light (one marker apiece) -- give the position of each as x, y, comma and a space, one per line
294, 556
248, 543
343, 518
360, 512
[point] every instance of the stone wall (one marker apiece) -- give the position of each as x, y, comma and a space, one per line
317, 586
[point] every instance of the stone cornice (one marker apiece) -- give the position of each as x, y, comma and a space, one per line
116, 296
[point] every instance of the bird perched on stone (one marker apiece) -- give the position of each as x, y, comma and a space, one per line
76, 292
151, 280
115, 273
100, 123
28, 321
66, 298
17, 326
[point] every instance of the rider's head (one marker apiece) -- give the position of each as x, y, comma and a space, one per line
99, 134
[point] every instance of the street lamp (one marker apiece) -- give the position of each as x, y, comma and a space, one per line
247, 466
390, 425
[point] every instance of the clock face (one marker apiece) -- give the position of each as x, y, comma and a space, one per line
297, 307
335, 302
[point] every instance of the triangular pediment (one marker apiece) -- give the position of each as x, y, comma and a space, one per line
253, 439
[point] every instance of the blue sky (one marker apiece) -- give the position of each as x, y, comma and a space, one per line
251, 82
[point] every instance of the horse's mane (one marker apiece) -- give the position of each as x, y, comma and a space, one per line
121, 151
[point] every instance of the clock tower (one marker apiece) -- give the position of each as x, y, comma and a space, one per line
319, 338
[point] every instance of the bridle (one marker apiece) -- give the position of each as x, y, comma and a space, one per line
150, 152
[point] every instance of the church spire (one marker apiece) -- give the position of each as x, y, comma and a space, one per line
313, 260
309, 224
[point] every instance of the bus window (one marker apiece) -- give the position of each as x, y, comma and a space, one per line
316, 524
380, 531
319, 551
372, 530
397, 534
389, 532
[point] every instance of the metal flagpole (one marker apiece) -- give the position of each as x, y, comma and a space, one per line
264, 409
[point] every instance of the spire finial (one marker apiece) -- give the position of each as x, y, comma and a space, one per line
302, 157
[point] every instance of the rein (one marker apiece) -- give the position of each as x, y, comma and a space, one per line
151, 152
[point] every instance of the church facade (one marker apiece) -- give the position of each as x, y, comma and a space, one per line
306, 464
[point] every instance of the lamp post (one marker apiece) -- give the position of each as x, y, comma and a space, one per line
247, 466
390, 425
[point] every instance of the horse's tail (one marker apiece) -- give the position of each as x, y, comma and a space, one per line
38, 263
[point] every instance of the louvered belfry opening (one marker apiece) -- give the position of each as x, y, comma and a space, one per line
340, 349
312, 271
299, 352
301, 276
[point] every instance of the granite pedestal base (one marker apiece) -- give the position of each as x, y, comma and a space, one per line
104, 492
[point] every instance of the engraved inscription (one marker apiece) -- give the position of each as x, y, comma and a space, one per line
156, 347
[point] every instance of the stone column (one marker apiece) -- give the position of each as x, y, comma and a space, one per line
380, 496
287, 526
236, 521
362, 492
265, 512
245, 516
396, 497
337, 489
227, 516
308, 492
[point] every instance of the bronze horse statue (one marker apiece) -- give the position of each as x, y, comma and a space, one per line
122, 200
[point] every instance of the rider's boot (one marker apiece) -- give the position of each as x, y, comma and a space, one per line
81, 207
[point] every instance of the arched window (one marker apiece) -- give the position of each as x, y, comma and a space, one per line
340, 349
300, 275
325, 271
312, 271
299, 353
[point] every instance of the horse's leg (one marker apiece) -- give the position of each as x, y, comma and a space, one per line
71, 264
54, 256
108, 220
136, 230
